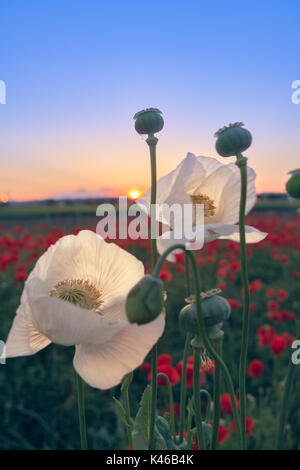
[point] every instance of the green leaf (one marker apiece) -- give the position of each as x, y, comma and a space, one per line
126, 382
141, 425
207, 430
121, 412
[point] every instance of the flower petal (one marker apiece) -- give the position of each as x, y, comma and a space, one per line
104, 366
23, 338
67, 324
232, 232
174, 187
223, 187
86, 256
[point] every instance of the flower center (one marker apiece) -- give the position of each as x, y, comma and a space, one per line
209, 204
78, 292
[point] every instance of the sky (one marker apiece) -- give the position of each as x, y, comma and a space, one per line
76, 73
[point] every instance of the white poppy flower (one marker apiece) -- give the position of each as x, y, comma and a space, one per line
204, 180
76, 295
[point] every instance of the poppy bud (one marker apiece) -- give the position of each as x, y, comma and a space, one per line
232, 140
293, 184
215, 310
149, 121
145, 300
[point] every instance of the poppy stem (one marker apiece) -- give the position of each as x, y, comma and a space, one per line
241, 162
197, 399
188, 338
152, 142
183, 386
171, 402
189, 424
208, 403
203, 335
284, 409
218, 359
81, 411
217, 393
125, 392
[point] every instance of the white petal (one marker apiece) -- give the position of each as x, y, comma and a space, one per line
23, 338
104, 366
209, 164
86, 256
231, 194
175, 186
231, 232
66, 324
222, 186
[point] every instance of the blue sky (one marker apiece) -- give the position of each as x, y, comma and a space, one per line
76, 72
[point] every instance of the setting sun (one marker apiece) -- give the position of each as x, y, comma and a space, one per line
4, 198
134, 194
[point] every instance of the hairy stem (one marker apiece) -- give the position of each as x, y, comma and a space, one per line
197, 399
152, 141
242, 164
81, 411
171, 402
217, 393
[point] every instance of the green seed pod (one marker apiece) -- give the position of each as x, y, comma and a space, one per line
149, 121
293, 184
232, 140
215, 309
145, 301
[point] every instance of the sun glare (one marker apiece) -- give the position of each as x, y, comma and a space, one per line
134, 194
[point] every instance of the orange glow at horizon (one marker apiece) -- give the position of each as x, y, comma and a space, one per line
4, 198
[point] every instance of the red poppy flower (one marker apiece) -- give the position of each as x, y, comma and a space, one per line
146, 367
249, 426
282, 295
21, 276
272, 305
222, 285
179, 257
255, 286
170, 371
234, 303
288, 338
265, 335
256, 368
164, 359
226, 403
278, 344
270, 292
165, 275
223, 434
189, 372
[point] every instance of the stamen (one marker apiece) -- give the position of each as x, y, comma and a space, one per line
209, 205
206, 362
78, 292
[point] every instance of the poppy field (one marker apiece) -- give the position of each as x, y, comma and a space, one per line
39, 405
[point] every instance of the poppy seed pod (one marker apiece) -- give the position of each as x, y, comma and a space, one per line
293, 184
145, 300
215, 310
232, 140
149, 121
